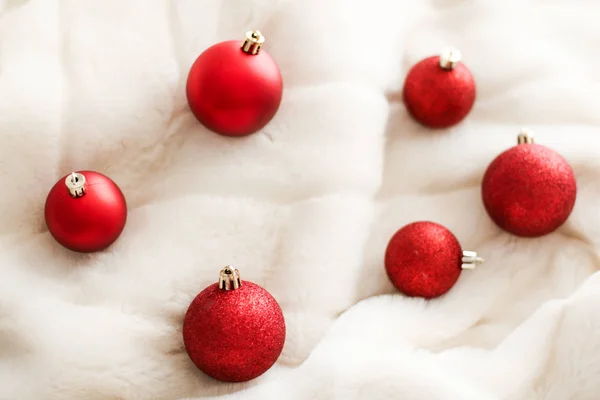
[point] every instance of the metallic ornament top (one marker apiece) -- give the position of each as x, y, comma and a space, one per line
253, 42
450, 57
76, 184
229, 278
525, 137
470, 260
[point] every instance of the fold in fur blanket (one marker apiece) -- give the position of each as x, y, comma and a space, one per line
304, 208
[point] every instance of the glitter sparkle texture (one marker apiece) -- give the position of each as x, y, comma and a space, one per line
529, 190
436, 97
423, 259
234, 335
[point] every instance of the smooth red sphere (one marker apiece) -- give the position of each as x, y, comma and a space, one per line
423, 259
234, 93
436, 97
234, 335
529, 190
88, 223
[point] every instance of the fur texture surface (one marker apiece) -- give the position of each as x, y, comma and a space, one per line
304, 208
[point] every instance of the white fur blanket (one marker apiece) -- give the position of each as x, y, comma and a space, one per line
304, 208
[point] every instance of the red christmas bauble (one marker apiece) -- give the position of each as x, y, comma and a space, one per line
233, 88
234, 334
85, 211
529, 190
436, 96
424, 259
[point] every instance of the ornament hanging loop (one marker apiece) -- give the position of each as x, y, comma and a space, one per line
470, 260
525, 137
253, 42
449, 58
75, 184
229, 278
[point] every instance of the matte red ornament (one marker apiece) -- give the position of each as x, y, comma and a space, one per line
424, 259
234, 88
529, 190
85, 211
439, 91
234, 331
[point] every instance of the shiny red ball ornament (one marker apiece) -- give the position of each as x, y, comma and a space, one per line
424, 259
234, 331
85, 211
529, 190
234, 88
439, 91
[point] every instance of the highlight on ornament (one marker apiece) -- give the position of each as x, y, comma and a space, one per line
439, 91
529, 190
85, 211
242, 97
424, 259
234, 330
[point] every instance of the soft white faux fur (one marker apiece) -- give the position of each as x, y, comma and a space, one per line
304, 208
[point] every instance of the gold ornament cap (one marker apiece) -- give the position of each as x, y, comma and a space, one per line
470, 260
449, 58
525, 137
229, 278
76, 184
253, 42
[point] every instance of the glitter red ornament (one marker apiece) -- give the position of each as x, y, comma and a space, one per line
529, 190
85, 211
424, 259
439, 91
234, 88
234, 331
